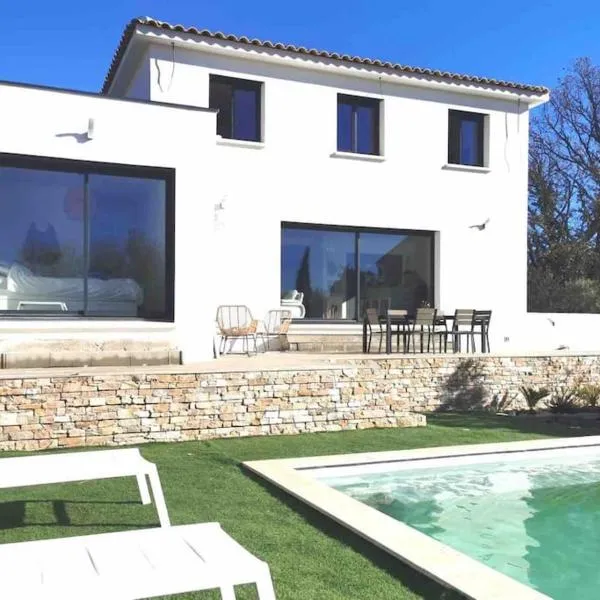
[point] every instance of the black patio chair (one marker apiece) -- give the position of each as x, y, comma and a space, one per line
440, 330
400, 315
482, 320
374, 326
424, 323
463, 325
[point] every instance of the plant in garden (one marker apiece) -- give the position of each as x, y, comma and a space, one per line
502, 402
533, 396
563, 400
589, 394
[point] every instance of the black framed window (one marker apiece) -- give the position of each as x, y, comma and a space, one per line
338, 272
358, 124
239, 105
466, 138
85, 239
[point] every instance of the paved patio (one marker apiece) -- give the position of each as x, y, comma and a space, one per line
277, 361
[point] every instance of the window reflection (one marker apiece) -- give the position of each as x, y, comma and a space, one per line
366, 129
127, 243
320, 265
323, 268
466, 138
468, 143
344, 127
239, 104
395, 271
358, 124
83, 243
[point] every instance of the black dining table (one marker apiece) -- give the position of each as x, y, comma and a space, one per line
404, 321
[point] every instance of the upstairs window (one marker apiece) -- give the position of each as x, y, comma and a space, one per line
239, 105
358, 124
466, 138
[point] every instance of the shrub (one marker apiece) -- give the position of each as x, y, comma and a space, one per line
589, 394
533, 396
563, 400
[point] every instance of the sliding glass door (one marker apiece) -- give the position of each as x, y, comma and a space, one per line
341, 271
85, 239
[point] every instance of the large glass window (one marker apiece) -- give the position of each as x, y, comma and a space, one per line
339, 272
358, 124
85, 239
466, 138
239, 105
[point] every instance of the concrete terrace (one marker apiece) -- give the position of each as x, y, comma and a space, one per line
283, 361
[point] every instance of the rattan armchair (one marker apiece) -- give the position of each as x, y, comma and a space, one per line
276, 325
235, 321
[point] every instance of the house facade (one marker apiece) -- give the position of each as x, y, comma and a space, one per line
221, 170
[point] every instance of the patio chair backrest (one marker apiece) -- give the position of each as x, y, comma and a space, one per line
483, 317
397, 312
233, 316
463, 318
278, 321
425, 316
372, 316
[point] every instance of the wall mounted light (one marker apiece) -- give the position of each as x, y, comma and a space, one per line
480, 226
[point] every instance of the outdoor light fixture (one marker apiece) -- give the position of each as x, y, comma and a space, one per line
90, 129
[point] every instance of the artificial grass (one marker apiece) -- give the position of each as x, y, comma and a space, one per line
310, 556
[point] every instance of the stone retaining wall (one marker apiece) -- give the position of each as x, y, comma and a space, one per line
102, 409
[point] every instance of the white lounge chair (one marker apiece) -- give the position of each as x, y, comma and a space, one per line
131, 565
41, 469
126, 565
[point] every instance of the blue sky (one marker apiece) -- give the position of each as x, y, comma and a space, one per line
70, 43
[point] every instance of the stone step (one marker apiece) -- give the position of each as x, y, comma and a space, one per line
37, 359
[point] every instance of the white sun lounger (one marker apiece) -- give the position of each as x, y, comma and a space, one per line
83, 466
131, 565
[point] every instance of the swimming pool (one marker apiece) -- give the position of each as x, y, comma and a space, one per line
516, 520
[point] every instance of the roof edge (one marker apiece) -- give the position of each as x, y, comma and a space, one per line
440, 76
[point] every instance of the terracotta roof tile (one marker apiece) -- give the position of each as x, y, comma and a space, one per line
218, 35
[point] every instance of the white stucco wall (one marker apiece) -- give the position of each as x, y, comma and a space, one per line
231, 199
33, 121
293, 177
139, 87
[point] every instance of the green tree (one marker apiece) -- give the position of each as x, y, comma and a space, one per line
564, 196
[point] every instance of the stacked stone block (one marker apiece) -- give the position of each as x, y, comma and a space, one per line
88, 409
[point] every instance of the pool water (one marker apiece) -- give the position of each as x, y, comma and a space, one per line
537, 521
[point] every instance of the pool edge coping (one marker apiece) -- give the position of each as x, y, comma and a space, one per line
438, 561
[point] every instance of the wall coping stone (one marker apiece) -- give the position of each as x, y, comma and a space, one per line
282, 361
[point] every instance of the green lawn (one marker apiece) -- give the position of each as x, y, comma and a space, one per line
310, 557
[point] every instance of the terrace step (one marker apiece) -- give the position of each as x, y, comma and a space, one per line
80, 353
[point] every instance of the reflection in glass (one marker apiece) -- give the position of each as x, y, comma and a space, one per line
466, 138
127, 244
469, 140
394, 270
82, 243
366, 129
358, 124
239, 104
41, 250
245, 122
321, 265
344, 127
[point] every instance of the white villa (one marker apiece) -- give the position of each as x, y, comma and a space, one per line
214, 169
